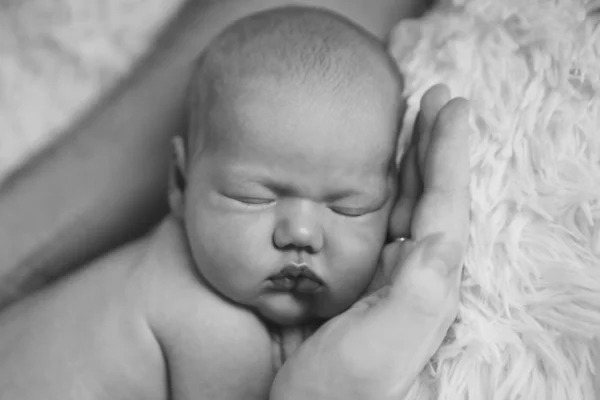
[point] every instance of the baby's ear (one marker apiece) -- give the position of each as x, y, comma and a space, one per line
177, 176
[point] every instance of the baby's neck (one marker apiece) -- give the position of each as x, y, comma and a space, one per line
287, 339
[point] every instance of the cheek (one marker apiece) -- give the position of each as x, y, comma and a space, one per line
358, 262
230, 250
353, 258
358, 247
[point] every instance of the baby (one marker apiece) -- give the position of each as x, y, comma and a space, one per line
280, 194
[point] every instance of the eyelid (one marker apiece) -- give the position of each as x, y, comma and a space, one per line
351, 211
359, 211
250, 200
255, 200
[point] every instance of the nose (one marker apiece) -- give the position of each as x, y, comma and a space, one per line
299, 227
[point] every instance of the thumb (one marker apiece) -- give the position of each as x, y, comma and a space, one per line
421, 304
427, 272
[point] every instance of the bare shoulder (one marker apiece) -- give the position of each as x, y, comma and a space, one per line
79, 336
213, 349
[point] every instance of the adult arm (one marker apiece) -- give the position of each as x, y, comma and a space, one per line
104, 182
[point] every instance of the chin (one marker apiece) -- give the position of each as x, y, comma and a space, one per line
287, 320
285, 309
288, 311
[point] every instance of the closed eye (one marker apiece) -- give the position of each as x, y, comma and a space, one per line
351, 211
251, 200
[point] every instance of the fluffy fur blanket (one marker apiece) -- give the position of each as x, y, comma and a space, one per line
531, 289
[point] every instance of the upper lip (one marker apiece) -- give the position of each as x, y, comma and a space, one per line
295, 271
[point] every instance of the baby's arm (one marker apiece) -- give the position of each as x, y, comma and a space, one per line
214, 350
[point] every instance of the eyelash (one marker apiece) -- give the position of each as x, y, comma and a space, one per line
343, 211
251, 201
350, 212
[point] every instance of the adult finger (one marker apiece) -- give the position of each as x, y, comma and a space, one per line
414, 317
431, 103
445, 202
409, 191
393, 256
410, 185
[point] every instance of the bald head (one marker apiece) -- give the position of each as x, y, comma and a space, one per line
292, 47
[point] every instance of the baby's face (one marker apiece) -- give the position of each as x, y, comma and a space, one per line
287, 208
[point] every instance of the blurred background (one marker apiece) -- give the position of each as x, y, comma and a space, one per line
57, 57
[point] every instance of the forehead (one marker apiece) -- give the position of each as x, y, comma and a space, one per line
293, 123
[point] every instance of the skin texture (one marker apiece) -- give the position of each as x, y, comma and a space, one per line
136, 324
322, 158
104, 182
111, 330
142, 310
378, 348
295, 165
285, 185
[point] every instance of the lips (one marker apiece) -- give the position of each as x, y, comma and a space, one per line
297, 278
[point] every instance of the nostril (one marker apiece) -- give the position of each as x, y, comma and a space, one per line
297, 248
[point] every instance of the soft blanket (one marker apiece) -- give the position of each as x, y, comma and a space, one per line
531, 289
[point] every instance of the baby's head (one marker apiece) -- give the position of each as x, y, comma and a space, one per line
290, 173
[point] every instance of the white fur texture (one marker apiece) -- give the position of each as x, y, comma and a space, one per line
531, 288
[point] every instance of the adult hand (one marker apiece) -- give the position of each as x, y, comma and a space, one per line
376, 349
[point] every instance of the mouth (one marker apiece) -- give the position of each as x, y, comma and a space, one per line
297, 278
